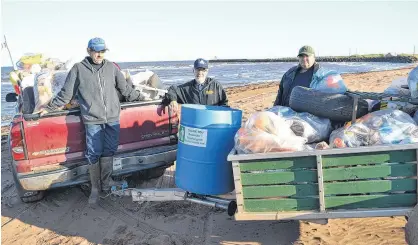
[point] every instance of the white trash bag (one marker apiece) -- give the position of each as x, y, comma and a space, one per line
42, 90
395, 87
47, 86
377, 128
266, 132
141, 78
413, 82
312, 128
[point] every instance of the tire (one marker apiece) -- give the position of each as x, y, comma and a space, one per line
37, 197
336, 107
28, 196
411, 228
28, 100
153, 173
145, 175
146, 178
24, 195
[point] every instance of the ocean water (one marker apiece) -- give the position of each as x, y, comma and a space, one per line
229, 74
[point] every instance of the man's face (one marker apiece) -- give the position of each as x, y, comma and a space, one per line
200, 74
96, 56
306, 61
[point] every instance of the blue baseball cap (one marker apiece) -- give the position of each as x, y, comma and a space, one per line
201, 63
97, 44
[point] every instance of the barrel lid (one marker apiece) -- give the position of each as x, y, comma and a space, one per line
210, 116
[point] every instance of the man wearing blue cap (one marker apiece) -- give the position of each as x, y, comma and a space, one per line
95, 81
202, 90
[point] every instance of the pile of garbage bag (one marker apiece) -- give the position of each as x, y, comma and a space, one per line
377, 128
399, 105
395, 87
141, 78
47, 85
146, 82
317, 146
306, 125
281, 129
413, 82
388, 121
328, 81
267, 132
415, 117
31, 64
398, 87
26, 62
42, 76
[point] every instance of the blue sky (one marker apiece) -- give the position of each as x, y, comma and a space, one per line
151, 31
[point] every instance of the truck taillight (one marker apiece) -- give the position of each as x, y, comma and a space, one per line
17, 146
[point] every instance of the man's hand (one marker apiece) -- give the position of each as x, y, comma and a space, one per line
174, 106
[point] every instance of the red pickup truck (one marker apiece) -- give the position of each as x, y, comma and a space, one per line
48, 152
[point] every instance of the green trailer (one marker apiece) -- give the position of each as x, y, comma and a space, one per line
374, 181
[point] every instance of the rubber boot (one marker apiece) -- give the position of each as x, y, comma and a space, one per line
106, 166
94, 170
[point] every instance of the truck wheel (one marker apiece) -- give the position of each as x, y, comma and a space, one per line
411, 228
148, 178
26, 196
153, 173
336, 107
33, 198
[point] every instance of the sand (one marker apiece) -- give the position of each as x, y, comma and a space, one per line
64, 217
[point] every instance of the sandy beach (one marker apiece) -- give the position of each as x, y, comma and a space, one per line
64, 217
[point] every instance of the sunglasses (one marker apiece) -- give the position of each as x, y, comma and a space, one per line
101, 52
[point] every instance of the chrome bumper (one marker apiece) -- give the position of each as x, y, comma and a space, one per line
123, 164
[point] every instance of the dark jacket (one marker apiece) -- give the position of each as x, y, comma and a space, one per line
284, 92
95, 91
212, 93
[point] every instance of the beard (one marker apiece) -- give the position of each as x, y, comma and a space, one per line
200, 79
98, 60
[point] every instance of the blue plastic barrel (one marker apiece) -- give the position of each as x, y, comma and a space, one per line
206, 136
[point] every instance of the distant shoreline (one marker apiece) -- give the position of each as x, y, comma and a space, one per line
402, 58
379, 80
354, 58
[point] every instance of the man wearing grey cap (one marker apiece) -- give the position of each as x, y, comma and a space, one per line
202, 90
300, 75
